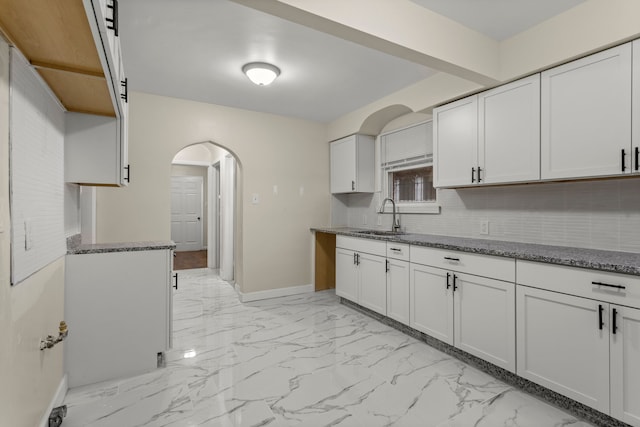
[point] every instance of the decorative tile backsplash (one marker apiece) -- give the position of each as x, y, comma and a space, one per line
602, 214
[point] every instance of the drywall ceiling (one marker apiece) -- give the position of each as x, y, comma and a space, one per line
498, 19
195, 49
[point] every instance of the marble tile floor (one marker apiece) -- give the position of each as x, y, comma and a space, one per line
303, 360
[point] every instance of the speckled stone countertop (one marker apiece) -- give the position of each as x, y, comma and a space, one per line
100, 248
617, 262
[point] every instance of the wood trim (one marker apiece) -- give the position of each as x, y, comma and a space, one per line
325, 271
56, 38
62, 68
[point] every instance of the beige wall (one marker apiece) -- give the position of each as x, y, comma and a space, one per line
29, 311
272, 150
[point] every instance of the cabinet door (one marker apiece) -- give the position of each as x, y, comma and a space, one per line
343, 165
398, 290
625, 366
485, 319
455, 134
562, 345
635, 125
431, 309
509, 132
586, 116
373, 282
346, 275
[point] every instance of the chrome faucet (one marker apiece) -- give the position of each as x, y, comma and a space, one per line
395, 226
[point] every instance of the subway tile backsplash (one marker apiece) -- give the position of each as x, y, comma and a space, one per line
602, 214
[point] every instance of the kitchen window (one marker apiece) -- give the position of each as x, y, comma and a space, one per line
407, 169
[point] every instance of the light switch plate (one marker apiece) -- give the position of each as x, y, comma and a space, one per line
484, 226
255, 198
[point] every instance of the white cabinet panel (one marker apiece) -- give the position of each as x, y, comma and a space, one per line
485, 319
373, 282
352, 164
586, 116
455, 135
562, 346
398, 291
625, 365
346, 274
431, 308
634, 165
116, 305
509, 132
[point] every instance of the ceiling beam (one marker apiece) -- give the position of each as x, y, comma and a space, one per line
397, 27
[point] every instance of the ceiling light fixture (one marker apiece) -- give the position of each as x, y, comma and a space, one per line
261, 73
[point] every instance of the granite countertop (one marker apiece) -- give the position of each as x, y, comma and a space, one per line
99, 248
612, 261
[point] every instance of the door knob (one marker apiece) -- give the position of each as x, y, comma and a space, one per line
198, 218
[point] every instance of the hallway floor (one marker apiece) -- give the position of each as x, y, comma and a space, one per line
303, 360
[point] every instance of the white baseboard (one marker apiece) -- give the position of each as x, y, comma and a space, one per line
274, 293
56, 401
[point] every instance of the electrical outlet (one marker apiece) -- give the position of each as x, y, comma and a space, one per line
484, 226
379, 219
364, 219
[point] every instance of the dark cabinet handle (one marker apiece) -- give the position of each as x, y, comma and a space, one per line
614, 323
175, 276
637, 158
128, 177
608, 285
125, 84
455, 286
448, 284
386, 269
353, 186
451, 258
600, 321
624, 167
473, 175
395, 249
113, 21
479, 177
354, 259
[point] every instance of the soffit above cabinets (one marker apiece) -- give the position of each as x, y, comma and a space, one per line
56, 39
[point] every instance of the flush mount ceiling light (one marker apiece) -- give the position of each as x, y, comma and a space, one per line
261, 73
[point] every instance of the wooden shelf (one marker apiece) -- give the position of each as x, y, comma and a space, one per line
56, 39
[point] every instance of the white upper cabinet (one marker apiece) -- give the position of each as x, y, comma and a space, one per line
509, 132
455, 136
586, 116
352, 164
490, 138
635, 120
96, 147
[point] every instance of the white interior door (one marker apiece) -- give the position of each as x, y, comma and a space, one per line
186, 212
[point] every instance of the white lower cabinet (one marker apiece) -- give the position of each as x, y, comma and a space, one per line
562, 346
361, 272
346, 274
373, 282
472, 313
431, 302
625, 365
575, 335
117, 305
398, 290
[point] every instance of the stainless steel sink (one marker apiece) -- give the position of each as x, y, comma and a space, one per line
380, 232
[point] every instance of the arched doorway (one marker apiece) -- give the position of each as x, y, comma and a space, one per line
203, 207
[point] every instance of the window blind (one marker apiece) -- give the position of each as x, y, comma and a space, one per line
36, 169
407, 147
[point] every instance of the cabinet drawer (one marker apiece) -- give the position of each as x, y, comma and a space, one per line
398, 251
480, 265
624, 289
375, 247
